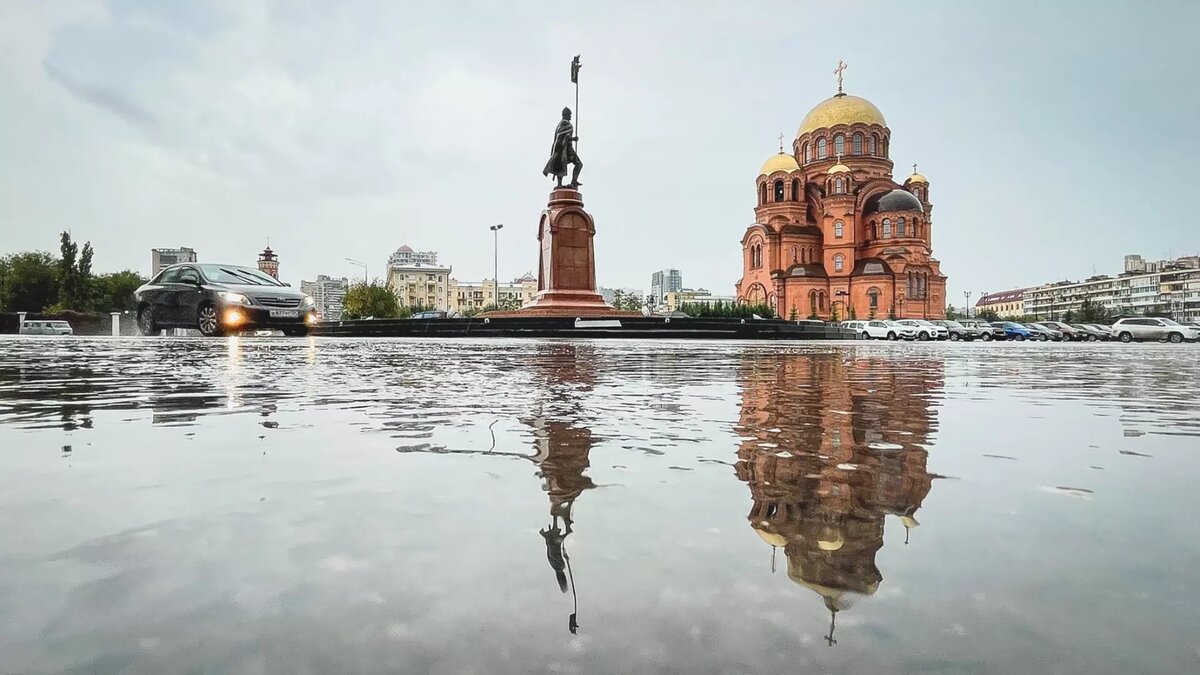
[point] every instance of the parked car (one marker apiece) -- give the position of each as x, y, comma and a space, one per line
1091, 334
1105, 332
900, 331
871, 330
1153, 328
430, 314
1043, 333
1014, 331
987, 332
1069, 333
960, 331
42, 327
927, 330
216, 299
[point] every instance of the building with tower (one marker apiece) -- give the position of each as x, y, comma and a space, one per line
268, 262
834, 234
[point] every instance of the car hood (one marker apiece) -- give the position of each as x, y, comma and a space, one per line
256, 291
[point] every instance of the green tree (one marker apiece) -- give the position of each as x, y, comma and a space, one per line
113, 292
29, 281
987, 315
1093, 312
373, 299
74, 275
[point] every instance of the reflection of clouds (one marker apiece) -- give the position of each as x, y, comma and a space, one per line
822, 480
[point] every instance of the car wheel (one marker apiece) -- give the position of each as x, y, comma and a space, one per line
1043, 338
145, 321
1175, 338
1125, 337
986, 337
296, 332
954, 337
922, 336
1091, 338
208, 320
891, 336
1019, 338
865, 335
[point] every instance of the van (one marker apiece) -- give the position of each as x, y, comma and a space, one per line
42, 327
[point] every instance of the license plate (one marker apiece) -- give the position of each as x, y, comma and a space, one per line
285, 314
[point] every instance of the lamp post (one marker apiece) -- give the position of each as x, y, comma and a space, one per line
363, 265
968, 307
496, 263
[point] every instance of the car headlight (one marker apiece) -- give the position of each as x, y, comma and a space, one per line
234, 298
308, 301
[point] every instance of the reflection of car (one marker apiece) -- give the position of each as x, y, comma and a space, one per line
1014, 331
1044, 333
871, 330
40, 327
987, 332
1153, 328
900, 331
430, 314
927, 330
219, 298
959, 331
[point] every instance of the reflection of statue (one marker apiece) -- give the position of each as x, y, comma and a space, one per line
825, 500
562, 152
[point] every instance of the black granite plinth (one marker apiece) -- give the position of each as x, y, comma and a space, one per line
642, 327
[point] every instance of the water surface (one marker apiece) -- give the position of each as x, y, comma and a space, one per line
384, 506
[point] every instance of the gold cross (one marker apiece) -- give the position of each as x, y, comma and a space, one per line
781, 142
838, 71
914, 168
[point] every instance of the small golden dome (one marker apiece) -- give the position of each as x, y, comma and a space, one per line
917, 178
838, 168
779, 162
771, 538
841, 109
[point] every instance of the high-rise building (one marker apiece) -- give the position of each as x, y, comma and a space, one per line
268, 262
417, 279
663, 282
327, 294
165, 257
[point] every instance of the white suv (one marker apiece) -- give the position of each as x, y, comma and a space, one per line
873, 330
1152, 328
927, 330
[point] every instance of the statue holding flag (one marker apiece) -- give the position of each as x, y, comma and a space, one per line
563, 150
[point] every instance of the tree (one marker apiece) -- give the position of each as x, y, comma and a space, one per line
987, 315
29, 281
953, 313
1093, 312
851, 315
370, 300
74, 274
113, 292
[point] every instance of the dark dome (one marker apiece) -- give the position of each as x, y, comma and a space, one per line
896, 200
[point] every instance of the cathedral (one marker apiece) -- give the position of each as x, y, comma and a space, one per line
834, 235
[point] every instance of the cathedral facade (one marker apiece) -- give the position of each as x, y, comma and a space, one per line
835, 236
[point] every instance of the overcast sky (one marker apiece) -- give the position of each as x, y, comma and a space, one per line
1057, 136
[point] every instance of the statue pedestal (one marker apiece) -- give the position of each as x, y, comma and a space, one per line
566, 263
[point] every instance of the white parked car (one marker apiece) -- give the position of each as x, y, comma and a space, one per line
1153, 328
876, 329
900, 331
927, 330
43, 327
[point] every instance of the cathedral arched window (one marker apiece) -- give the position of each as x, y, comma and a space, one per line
839, 261
812, 303
839, 145
900, 228
821, 300
795, 189
838, 229
887, 228
871, 144
779, 190
856, 144
839, 186
762, 194
821, 149
795, 254
873, 298
807, 152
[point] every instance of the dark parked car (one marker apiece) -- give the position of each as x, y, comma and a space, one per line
1069, 333
217, 299
960, 331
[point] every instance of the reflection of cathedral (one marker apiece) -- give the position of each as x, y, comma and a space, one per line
834, 232
833, 448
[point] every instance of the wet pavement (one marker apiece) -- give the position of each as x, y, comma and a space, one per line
403, 506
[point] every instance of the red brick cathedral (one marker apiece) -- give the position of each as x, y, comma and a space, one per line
835, 236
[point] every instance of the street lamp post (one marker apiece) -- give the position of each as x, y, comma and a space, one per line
352, 261
496, 263
968, 307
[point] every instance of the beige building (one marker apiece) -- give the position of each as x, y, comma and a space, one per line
1004, 303
695, 296
473, 296
418, 280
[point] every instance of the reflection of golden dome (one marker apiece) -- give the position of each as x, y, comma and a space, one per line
917, 178
779, 162
838, 168
909, 522
841, 109
831, 540
771, 538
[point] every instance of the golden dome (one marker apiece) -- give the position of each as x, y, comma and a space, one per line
841, 109
838, 168
771, 538
779, 162
917, 178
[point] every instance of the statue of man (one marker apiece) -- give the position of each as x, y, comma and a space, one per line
562, 152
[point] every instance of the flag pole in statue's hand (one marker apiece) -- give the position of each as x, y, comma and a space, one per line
575, 66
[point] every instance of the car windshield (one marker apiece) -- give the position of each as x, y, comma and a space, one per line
228, 274
954, 324
1169, 322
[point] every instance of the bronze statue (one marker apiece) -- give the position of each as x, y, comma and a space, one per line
562, 152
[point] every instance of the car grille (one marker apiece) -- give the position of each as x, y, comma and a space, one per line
271, 301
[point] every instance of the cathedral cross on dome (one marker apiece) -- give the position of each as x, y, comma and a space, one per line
914, 168
781, 142
841, 67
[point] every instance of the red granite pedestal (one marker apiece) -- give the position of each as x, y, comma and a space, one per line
566, 263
